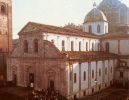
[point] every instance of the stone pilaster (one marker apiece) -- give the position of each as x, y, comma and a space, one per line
89, 74
108, 71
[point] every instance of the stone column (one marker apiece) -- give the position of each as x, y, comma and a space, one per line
89, 75
103, 73
71, 79
79, 79
96, 76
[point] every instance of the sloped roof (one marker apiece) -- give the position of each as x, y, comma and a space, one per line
115, 35
89, 55
37, 27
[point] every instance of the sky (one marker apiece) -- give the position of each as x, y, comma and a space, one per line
50, 12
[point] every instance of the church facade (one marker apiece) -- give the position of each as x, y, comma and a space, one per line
74, 62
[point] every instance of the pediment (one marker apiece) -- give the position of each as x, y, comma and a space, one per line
29, 28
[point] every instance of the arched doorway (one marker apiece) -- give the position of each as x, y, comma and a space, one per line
31, 80
107, 47
51, 79
14, 75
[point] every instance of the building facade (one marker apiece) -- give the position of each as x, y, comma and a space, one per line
76, 63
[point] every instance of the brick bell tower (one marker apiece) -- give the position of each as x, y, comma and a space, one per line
5, 26
5, 34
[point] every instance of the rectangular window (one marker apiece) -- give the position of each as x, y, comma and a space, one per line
106, 71
121, 75
92, 73
79, 46
99, 72
75, 78
72, 46
63, 45
111, 69
86, 46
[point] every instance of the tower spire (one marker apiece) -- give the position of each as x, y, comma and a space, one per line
94, 4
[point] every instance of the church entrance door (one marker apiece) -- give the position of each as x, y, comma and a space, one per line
31, 80
51, 84
14, 79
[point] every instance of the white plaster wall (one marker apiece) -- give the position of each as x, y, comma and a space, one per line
106, 66
58, 41
113, 46
103, 25
93, 67
84, 83
124, 47
76, 70
99, 66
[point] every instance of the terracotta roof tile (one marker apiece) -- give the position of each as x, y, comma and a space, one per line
89, 55
59, 30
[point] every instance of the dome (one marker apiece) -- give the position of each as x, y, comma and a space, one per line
95, 15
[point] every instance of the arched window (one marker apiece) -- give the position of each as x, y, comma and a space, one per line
106, 71
99, 47
75, 78
99, 72
90, 29
72, 46
63, 45
79, 46
86, 46
107, 47
35, 45
92, 46
25, 46
92, 73
111, 69
84, 75
3, 9
98, 28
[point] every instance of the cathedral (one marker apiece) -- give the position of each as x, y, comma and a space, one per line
74, 62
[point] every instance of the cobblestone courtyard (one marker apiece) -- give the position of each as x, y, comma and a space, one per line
109, 94
18, 93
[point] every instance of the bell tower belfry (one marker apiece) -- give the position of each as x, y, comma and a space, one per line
5, 26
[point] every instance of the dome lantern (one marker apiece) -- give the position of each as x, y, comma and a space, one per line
95, 22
